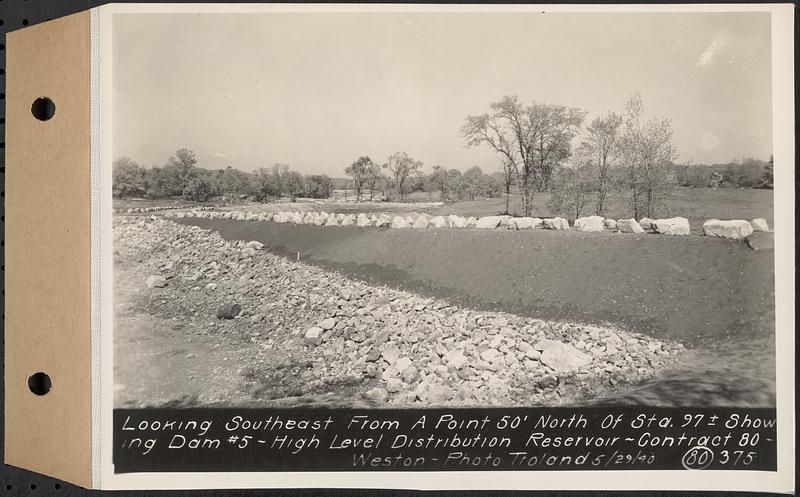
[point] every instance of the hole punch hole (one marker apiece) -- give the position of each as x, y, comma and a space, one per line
39, 383
43, 108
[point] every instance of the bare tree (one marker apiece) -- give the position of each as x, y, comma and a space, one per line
374, 178
603, 146
279, 173
648, 155
510, 174
532, 140
358, 170
401, 166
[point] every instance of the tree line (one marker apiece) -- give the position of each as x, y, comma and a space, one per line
181, 177
543, 147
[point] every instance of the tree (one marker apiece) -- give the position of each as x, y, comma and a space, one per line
374, 178
359, 170
573, 187
768, 180
280, 172
474, 182
508, 178
318, 186
533, 140
647, 154
201, 187
293, 184
438, 181
401, 166
603, 143
128, 178
235, 182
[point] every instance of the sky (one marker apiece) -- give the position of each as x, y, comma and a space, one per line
319, 90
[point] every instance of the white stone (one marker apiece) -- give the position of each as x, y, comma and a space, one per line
156, 281
610, 224
362, 220
556, 223
488, 222
564, 357
736, 229
313, 335
399, 222
629, 226
760, 224
421, 223
671, 226
439, 222
590, 223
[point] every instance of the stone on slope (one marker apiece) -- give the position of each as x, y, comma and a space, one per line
564, 357
156, 281
327, 324
488, 222
610, 224
313, 336
589, 223
671, 226
736, 229
255, 245
629, 226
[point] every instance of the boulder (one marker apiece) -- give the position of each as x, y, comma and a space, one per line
610, 224
629, 226
348, 220
646, 223
296, 217
471, 222
760, 224
156, 281
457, 221
362, 221
506, 221
439, 222
488, 222
421, 223
527, 223
313, 336
321, 218
556, 223
761, 240
564, 357
590, 223
378, 394
340, 216
736, 229
399, 222
254, 245
671, 226
332, 221
456, 358
327, 324
383, 220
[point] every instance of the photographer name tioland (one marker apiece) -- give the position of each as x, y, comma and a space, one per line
546, 439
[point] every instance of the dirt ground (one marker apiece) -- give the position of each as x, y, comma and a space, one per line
715, 296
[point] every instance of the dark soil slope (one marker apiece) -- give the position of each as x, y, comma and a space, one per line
695, 289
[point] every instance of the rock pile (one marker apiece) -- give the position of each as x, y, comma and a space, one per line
404, 348
677, 226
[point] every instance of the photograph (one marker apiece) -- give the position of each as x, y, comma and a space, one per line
391, 208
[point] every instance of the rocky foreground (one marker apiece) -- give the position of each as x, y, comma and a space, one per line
401, 349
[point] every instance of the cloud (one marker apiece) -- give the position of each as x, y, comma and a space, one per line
220, 155
717, 44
